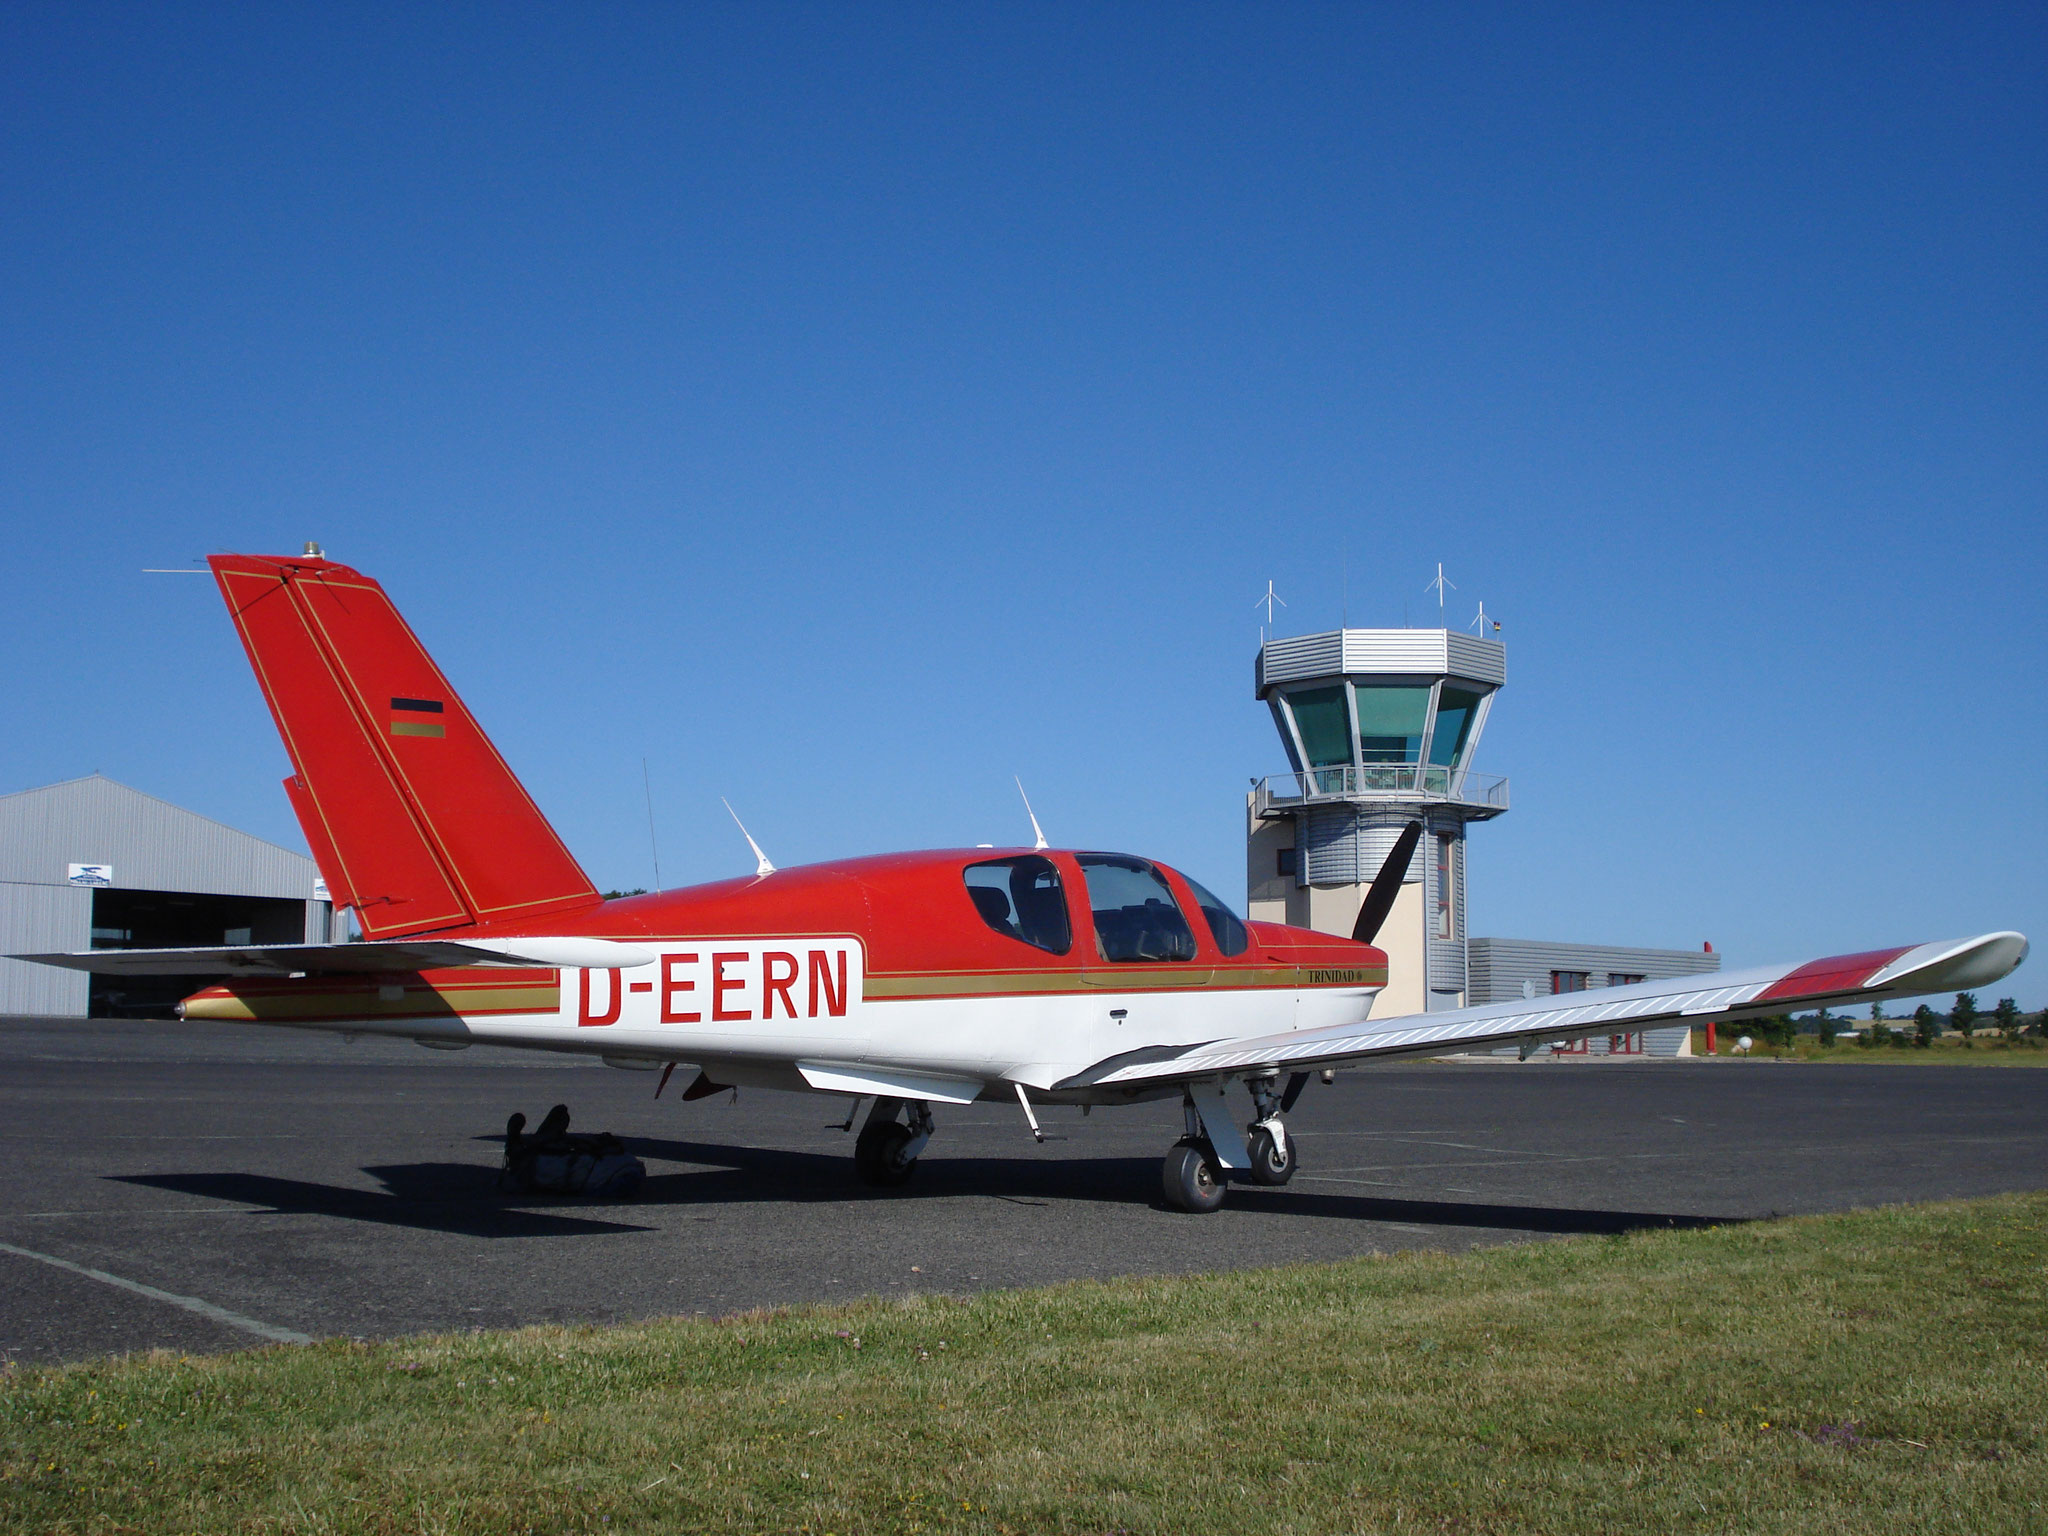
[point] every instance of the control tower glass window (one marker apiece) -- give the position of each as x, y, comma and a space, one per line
1224, 927
1136, 917
1325, 732
1456, 709
1390, 723
1022, 899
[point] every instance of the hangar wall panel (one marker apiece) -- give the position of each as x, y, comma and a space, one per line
40, 919
152, 844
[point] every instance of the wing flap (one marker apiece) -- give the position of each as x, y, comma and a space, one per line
351, 959
1877, 974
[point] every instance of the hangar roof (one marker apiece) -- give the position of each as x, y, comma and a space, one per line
151, 844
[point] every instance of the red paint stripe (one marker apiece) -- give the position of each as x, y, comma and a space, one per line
1837, 973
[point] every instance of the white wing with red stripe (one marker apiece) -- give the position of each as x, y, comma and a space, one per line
1876, 975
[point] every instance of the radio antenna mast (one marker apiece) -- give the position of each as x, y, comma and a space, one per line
1440, 586
1267, 603
652, 846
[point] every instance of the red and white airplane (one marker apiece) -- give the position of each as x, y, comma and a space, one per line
908, 980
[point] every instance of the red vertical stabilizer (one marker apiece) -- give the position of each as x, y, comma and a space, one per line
412, 816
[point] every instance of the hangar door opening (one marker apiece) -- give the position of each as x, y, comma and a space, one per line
123, 919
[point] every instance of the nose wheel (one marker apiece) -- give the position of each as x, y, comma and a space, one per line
1272, 1149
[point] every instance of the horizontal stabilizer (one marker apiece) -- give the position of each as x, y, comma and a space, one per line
1882, 974
351, 959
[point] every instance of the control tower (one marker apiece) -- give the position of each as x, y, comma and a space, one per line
1381, 726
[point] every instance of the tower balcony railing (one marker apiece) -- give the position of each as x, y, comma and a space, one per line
1280, 793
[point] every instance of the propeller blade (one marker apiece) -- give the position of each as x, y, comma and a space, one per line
1386, 885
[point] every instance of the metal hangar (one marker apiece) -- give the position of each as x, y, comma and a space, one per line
92, 864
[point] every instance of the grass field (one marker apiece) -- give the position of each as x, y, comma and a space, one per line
1880, 1371
1950, 1050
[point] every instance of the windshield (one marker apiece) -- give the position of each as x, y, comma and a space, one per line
1136, 917
1224, 926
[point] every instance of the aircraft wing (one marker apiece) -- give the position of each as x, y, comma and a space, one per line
349, 959
1879, 974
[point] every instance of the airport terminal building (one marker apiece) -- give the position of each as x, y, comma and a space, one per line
92, 864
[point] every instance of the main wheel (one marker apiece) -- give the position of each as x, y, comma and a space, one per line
1269, 1164
878, 1154
1193, 1181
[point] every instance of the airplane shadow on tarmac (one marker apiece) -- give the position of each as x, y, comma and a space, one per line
744, 1175
463, 1198
459, 1198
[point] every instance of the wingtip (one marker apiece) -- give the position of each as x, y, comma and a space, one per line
1956, 965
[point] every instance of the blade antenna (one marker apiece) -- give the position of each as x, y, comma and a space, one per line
1036, 830
761, 864
1386, 885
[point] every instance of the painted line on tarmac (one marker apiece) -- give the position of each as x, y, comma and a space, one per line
205, 1309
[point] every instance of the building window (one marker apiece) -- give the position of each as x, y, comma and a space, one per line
1456, 709
1625, 1045
1568, 981
1391, 721
1320, 718
1444, 893
1621, 979
1287, 861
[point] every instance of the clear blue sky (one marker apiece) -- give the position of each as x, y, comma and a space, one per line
846, 408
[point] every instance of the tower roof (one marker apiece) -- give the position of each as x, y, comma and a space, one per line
1381, 652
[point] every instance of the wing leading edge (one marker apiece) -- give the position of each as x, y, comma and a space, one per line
1911, 971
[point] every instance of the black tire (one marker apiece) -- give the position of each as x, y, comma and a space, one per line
1269, 1166
1193, 1181
878, 1154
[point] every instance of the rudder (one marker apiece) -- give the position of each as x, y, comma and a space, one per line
415, 820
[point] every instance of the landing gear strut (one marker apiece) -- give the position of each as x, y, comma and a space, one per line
885, 1153
1198, 1168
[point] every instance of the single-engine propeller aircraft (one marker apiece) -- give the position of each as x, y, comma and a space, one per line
904, 981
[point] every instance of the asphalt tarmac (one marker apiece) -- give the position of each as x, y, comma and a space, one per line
212, 1187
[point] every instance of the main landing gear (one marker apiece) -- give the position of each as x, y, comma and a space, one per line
1198, 1169
886, 1151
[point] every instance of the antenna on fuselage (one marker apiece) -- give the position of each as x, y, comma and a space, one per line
653, 847
761, 864
1036, 830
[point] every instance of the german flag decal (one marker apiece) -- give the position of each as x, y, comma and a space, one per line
405, 719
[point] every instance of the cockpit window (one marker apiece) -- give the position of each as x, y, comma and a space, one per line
1135, 914
1224, 927
1021, 899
